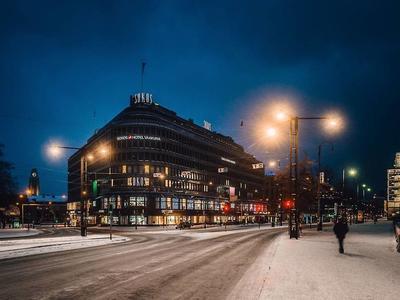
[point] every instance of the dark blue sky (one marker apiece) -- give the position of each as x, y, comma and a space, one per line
67, 67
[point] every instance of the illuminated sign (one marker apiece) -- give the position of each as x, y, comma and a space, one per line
228, 160
143, 98
222, 170
258, 166
157, 175
321, 177
207, 125
138, 137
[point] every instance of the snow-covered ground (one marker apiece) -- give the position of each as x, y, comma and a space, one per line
312, 268
26, 246
14, 233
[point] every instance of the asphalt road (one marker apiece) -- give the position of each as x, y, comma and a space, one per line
153, 265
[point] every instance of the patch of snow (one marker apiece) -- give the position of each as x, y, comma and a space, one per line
24, 247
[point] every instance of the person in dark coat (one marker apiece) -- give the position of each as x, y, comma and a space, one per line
340, 229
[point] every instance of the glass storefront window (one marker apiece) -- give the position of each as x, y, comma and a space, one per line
190, 204
183, 203
163, 203
168, 203
175, 203
197, 204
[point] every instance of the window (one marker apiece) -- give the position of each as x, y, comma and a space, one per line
140, 201
190, 204
129, 181
146, 169
163, 203
168, 202
137, 201
146, 181
123, 169
183, 203
166, 170
175, 203
197, 204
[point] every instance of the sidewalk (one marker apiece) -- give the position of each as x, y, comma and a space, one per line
24, 247
312, 268
17, 232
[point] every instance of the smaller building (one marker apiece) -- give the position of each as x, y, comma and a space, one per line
44, 209
392, 205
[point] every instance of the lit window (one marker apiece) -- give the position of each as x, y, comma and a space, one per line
132, 201
123, 169
130, 181
166, 170
183, 203
146, 169
168, 203
112, 182
146, 181
140, 201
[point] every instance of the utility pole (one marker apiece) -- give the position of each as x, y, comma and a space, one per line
293, 176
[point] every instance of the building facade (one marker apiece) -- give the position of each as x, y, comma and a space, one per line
392, 205
151, 167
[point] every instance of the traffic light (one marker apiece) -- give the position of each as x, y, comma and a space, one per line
288, 204
227, 207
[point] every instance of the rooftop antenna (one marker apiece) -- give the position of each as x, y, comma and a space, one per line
143, 66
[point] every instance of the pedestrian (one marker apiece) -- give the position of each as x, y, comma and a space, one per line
340, 229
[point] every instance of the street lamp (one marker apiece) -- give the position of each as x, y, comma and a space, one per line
331, 123
55, 151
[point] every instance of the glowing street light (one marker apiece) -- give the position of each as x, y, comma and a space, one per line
352, 172
272, 164
271, 132
54, 151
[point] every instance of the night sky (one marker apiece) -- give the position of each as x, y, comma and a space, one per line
68, 67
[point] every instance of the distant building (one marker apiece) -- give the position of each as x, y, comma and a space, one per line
393, 188
34, 184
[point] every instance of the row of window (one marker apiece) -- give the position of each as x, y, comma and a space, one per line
174, 203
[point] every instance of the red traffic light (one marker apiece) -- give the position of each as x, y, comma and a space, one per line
288, 204
227, 207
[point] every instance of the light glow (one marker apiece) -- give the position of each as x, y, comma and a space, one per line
271, 132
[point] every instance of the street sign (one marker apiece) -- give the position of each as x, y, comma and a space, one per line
258, 166
223, 170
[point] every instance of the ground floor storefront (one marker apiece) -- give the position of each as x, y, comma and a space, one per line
161, 210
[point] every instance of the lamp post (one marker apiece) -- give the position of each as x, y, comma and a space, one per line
352, 172
293, 165
331, 123
55, 151
320, 214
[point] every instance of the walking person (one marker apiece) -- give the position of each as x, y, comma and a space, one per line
340, 229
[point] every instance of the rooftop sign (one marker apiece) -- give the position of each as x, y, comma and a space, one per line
143, 98
138, 137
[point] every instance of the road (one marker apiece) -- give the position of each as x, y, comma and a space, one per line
196, 264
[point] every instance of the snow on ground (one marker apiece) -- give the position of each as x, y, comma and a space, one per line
13, 233
25, 247
312, 268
